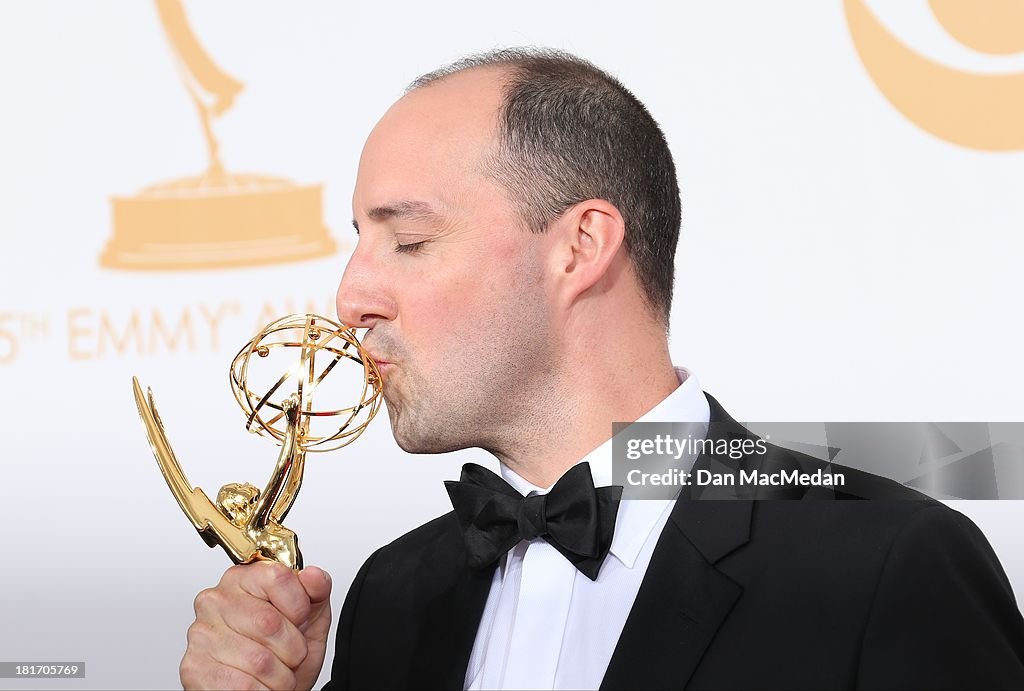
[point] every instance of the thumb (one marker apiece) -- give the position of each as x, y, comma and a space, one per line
317, 583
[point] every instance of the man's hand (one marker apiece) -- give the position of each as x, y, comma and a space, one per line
262, 627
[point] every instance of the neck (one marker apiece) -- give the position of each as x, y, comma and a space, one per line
600, 381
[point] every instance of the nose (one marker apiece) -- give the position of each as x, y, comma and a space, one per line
364, 298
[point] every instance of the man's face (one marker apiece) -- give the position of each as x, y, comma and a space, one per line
444, 275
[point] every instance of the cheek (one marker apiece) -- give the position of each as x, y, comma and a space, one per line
467, 288
457, 315
470, 305
438, 315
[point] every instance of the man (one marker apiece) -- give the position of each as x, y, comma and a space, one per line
517, 216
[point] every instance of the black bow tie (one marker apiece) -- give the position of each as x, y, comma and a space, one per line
574, 517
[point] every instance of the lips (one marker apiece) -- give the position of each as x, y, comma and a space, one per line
380, 362
377, 358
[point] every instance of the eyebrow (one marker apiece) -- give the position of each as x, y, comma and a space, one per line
405, 209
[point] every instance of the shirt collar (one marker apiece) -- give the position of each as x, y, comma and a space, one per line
636, 518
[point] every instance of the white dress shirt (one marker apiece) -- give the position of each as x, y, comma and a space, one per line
545, 624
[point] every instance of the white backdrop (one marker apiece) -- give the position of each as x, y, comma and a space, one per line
837, 262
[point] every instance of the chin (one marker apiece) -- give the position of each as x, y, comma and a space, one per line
407, 439
421, 439
412, 442
423, 436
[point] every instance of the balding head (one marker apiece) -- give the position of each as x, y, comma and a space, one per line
567, 131
480, 325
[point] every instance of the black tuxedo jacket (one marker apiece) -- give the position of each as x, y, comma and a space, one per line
755, 593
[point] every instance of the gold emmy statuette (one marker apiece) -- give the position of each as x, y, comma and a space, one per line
215, 219
278, 403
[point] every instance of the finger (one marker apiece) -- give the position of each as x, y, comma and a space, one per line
253, 617
317, 584
275, 583
259, 621
200, 671
235, 651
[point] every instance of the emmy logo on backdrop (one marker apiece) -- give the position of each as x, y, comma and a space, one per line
216, 219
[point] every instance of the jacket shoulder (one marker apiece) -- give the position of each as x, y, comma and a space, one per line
437, 537
428, 553
378, 630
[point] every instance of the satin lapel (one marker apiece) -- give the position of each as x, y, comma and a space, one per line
448, 630
683, 599
680, 606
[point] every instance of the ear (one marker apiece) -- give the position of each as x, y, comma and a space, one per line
588, 243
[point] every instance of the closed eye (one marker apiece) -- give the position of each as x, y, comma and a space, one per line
409, 248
